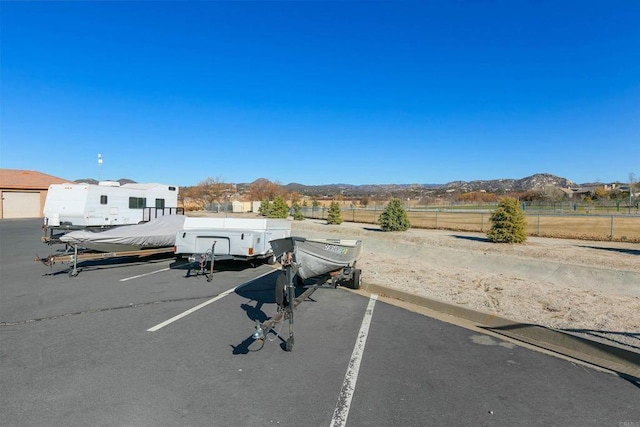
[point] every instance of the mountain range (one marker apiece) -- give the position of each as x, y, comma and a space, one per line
534, 182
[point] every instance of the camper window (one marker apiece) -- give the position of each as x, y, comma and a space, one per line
137, 202
159, 203
103, 200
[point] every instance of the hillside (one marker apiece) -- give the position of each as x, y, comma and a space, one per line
498, 186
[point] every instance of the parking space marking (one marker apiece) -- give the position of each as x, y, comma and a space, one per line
204, 304
145, 274
191, 310
341, 412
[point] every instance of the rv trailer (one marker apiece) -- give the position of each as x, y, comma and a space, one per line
72, 206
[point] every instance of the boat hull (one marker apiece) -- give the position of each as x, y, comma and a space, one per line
317, 257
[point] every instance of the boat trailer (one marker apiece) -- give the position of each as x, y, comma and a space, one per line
286, 300
73, 258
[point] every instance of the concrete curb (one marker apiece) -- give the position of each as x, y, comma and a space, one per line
624, 362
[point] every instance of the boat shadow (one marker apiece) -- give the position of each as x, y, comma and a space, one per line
261, 299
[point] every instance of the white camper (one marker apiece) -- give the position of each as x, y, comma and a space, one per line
73, 206
234, 238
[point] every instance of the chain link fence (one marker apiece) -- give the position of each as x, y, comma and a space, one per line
544, 223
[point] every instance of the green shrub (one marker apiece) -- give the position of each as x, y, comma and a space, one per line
278, 208
297, 212
265, 205
394, 217
334, 214
508, 224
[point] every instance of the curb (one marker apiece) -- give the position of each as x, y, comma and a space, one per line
625, 363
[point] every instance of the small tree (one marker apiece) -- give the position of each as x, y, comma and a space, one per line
334, 215
394, 217
278, 208
265, 207
297, 212
508, 223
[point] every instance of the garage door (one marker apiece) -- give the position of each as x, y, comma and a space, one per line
20, 205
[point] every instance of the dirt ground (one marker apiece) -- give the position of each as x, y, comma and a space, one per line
591, 287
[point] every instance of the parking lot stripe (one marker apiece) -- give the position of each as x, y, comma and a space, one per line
145, 274
341, 412
204, 304
191, 310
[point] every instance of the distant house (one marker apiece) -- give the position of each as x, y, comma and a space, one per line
23, 192
577, 193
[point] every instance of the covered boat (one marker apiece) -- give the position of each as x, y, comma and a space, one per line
317, 257
158, 233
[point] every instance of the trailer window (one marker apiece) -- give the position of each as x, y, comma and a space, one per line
137, 202
103, 200
159, 203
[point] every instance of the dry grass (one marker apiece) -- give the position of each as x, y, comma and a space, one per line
590, 227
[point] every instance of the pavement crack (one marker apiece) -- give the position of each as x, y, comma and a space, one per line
100, 310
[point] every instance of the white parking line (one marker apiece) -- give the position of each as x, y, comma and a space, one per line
191, 310
204, 304
145, 274
341, 412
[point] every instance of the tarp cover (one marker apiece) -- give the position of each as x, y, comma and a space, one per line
158, 233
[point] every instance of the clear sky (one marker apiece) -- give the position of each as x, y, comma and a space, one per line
321, 92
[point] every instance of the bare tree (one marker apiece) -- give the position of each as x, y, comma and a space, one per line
213, 191
263, 189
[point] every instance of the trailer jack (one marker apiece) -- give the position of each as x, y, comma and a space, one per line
200, 262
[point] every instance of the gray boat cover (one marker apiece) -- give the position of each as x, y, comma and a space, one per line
157, 233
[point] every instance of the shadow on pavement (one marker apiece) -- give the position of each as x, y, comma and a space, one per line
621, 250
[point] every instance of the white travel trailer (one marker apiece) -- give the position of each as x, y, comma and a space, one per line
72, 206
230, 238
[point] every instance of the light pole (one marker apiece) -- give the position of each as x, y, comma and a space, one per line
99, 167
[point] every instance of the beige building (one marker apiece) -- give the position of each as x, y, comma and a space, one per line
23, 192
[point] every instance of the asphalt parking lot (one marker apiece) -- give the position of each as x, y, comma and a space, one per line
133, 342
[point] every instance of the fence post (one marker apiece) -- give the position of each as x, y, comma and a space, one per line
611, 235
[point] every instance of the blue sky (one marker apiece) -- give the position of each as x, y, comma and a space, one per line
321, 92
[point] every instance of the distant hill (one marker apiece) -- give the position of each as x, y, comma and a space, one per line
534, 182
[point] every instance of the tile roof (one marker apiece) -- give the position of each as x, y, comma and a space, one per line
23, 179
